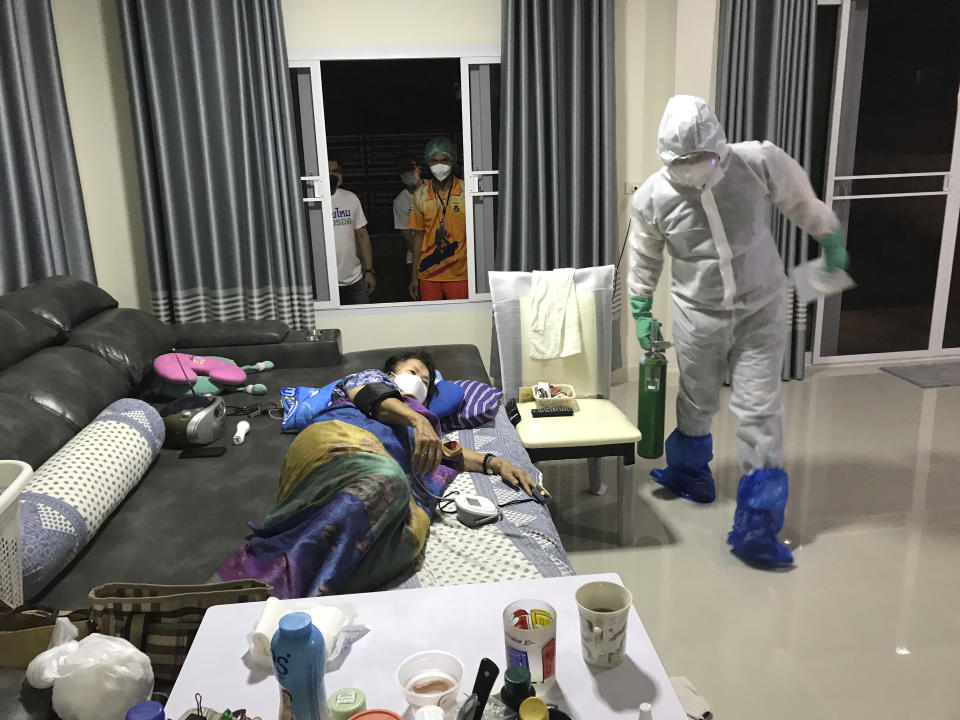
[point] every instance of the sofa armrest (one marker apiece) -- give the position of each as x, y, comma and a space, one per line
229, 333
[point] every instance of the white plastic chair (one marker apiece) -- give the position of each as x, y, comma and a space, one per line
598, 428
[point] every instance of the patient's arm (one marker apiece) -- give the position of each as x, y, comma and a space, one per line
473, 461
427, 452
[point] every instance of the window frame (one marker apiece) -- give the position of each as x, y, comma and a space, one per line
467, 55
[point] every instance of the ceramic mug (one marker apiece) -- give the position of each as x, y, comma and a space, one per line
604, 609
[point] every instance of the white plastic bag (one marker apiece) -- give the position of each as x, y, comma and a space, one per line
98, 678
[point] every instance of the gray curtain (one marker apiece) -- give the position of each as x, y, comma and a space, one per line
43, 226
765, 92
558, 200
558, 196
214, 131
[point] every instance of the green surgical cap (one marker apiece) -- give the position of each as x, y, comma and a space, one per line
440, 144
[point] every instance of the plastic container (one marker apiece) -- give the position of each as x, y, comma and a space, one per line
431, 677
299, 660
346, 702
533, 708
149, 710
516, 687
377, 715
14, 476
567, 401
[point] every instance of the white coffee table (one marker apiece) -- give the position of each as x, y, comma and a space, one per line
464, 620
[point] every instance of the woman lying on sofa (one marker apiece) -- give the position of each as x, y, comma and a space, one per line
358, 487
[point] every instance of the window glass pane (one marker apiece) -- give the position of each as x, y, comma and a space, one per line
374, 112
907, 99
894, 248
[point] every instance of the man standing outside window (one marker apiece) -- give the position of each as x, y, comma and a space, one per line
355, 273
438, 219
409, 170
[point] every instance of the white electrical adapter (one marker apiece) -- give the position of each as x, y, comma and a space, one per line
240, 434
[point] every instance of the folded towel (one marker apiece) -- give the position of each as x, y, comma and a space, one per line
329, 620
694, 704
555, 315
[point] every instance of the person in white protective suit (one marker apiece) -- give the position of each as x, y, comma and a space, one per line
710, 206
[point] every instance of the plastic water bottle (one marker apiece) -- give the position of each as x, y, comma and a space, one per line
299, 660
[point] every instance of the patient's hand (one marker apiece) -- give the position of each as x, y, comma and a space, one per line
514, 475
427, 450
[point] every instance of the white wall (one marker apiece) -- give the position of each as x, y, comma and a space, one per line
390, 23
94, 80
664, 48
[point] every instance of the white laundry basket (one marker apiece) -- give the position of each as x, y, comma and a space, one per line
14, 476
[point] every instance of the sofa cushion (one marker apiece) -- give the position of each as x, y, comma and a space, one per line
229, 333
68, 381
30, 432
61, 300
22, 334
128, 339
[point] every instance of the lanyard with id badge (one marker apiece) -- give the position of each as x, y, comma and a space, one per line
442, 247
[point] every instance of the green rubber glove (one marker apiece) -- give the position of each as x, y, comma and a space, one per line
835, 252
640, 309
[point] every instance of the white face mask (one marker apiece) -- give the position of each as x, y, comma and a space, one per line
408, 178
441, 171
694, 175
411, 385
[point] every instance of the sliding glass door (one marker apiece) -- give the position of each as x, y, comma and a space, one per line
893, 178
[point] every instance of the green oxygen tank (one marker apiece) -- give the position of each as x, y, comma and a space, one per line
652, 395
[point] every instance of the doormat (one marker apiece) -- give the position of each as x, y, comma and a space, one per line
928, 375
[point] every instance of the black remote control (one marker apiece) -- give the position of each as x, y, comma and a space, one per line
552, 412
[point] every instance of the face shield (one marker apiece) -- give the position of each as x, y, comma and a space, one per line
694, 170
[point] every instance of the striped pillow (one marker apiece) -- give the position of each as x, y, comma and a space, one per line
480, 405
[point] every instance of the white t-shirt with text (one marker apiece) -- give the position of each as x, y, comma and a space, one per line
348, 217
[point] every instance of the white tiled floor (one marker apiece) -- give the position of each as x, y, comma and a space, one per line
868, 623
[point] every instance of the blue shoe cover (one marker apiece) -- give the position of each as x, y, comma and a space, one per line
687, 473
761, 501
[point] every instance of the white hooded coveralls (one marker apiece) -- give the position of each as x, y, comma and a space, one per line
728, 277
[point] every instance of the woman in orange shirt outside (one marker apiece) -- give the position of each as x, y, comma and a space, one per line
438, 219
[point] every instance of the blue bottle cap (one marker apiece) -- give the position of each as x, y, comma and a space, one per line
295, 624
150, 710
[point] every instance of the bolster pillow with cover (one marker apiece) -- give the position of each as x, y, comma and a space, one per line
73, 492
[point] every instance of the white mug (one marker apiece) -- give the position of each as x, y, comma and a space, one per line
604, 609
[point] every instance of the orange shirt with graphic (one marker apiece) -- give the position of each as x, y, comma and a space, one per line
449, 262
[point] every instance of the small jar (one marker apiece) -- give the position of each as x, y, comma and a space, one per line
346, 702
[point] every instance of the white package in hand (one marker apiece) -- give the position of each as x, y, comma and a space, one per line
813, 281
98, 678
